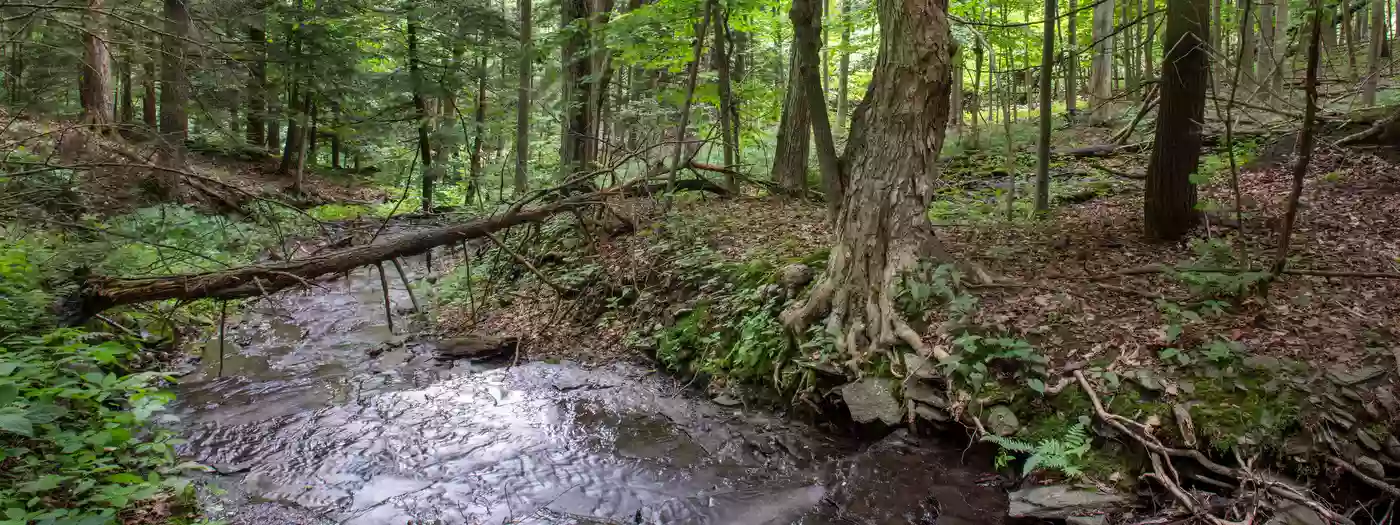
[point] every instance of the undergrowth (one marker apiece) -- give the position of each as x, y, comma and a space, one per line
79, 440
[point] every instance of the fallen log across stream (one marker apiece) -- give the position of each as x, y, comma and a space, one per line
98, 293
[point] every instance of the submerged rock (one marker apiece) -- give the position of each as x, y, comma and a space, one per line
870, 399
1060, 502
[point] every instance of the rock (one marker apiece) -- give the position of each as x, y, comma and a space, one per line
1370, 467
1392, 447
872, 399
920, 366
1001, 420
726, 400
1060, 502
923, 393
1295, 514
483, 347
931, 414
795, 275
1098, 519
1367, 440
1347, 376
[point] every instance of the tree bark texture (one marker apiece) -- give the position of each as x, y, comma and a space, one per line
794, 136
1101, 68
478, 132
1071, 62
128, 102
420, 108
843, 72
174, 93
96, 78
1247, 51
522, 104
257, 82
1047, 62
806, 38
1373, 55
883, 230
1170, 201
573, 152
726, 95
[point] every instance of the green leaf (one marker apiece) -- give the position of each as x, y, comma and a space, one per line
8, 393
1036, 385
1173, 333
46, 483
17, 422
7, 368
125, 478
15, 513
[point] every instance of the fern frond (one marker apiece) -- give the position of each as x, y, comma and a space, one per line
1014, 445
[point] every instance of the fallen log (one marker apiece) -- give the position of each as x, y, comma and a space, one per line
98, 293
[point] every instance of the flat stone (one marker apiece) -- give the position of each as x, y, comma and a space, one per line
1347, 376
923, 393
1060, 502
872, 399
1002, 421
1370, 466
1367, 440
795, 275
931, 414
920, 366
1295, 514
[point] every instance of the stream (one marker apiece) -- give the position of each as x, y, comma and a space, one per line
316, 413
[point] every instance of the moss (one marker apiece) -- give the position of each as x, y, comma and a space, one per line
1228, 411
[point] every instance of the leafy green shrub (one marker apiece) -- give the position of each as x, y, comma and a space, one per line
1216, 254
77, 439
1064, 455
24, 305
339, 212
929, 286
971, 365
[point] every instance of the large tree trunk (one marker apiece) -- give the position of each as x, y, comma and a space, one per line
573, 151
794, 136
522, 104
1373, 56
96, 78
883, 230
1170, 209
1101, 69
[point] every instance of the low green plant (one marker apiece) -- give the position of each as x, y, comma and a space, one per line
1213, 255
78, 439
1064, 455
928, 286
23, 301
972, 364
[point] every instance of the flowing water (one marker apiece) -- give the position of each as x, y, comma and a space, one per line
317, 413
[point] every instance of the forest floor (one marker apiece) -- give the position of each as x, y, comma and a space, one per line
1297, 370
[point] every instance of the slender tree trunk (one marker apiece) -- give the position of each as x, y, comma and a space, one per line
14, 76
794, 136
1247, 51
843, 72
1304, 148
478, 131
298, 181
522, 104
883, 232
336, 147
977, 53
1264, 53
1170, 210
128, 104
1047, 61
1217, 69
257, 82
1280, 50
1349, 40
420, 107
1149, 71
682, 129
1072, 63
806, 38
1373, 55
823, 20
955, 101
1101, 69
96, 78
726, 95
573, 155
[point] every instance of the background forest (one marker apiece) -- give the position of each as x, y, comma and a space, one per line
1108, 238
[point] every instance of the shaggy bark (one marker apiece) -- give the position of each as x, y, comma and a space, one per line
1170, 209
882, 230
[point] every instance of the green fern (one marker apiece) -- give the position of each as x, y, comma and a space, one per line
1062, 455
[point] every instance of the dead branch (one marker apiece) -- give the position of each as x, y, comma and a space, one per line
560, 290
1116, 173
1390, 490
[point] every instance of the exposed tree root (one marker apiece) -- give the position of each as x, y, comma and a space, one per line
1164, 473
